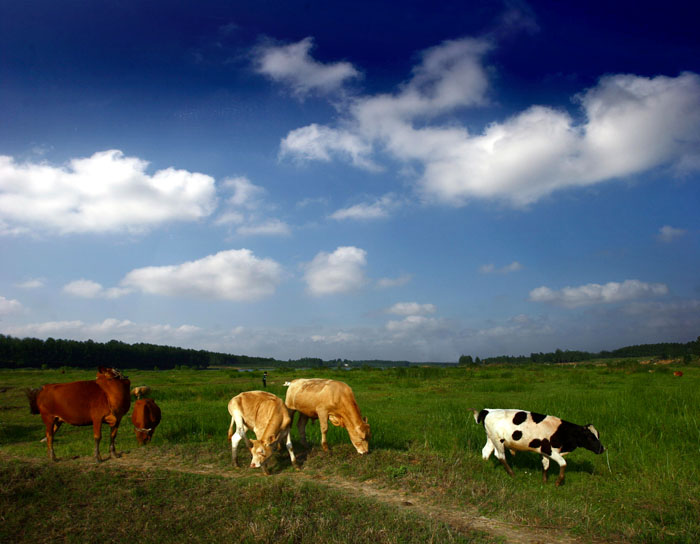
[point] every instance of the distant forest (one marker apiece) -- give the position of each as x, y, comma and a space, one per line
51, 353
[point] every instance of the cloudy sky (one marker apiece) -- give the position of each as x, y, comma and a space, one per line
351, 180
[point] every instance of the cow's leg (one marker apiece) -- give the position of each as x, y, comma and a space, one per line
97, 433
112, 438
235, 439
545, 467
49, 422
290, 450
501, 456
556, 456
488, 449
323, 423
301, 427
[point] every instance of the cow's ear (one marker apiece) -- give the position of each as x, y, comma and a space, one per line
593, 430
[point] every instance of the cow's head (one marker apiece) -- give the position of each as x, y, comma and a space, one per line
110, 374
143, 436
261, 452
360, 437
590, 439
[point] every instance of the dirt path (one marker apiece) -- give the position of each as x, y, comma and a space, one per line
462, 520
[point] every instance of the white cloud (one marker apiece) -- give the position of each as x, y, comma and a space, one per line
378, 209
339, 272
384, 283
9, 306
106, 192
414, 325
270, 227
630, 124
320, 143
245, 209
34, 283
245, 193
90, 289
411, 308
228, 275
668, 234
491, 268
594, 293
291, 64
109, 329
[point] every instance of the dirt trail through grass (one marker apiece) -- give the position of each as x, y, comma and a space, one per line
462, 520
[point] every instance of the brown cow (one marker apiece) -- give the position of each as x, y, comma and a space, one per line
92, 402
145, 417
322, 399
267, 416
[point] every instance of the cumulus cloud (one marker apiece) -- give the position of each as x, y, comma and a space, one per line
9, 306
236, 275
491, 268
90, 289
594, 293
110, 328
411, 308
292, 65
626, 125
339, 272
668, 233
378, 209
385, 283
107, 192
320, 143
34, 283
246, 208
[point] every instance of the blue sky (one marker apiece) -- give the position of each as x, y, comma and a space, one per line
350, 180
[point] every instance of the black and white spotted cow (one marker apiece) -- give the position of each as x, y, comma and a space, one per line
551, 437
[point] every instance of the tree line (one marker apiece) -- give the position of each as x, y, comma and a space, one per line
52, 353
664, 350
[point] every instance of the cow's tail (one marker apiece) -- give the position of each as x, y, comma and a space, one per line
31, 396
479, 416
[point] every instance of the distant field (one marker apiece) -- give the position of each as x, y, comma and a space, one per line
425, 444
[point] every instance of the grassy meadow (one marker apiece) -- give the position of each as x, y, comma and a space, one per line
424, 442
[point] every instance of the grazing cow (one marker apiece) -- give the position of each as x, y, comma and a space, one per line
267, 416
145, 417
92, 402
321, 399
678, 373
549, 436
141, 391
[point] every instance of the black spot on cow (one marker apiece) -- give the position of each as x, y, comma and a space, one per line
503, 440
517, 435
535, 443
519, 418
537, 417
546, 447
482, 416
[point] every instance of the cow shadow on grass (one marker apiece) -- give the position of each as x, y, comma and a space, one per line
15, 434
533, 463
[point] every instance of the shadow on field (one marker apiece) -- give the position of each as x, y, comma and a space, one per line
13, 434
525, 462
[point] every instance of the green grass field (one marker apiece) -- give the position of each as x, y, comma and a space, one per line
425, 443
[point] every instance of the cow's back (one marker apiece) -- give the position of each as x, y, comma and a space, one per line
76, 403
307, 395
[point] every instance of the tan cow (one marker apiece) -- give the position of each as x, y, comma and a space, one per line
140, 391
322, 399
267, 416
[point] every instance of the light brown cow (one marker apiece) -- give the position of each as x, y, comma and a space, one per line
145, 417
140, 391
267, 416
322, 399
91, 402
